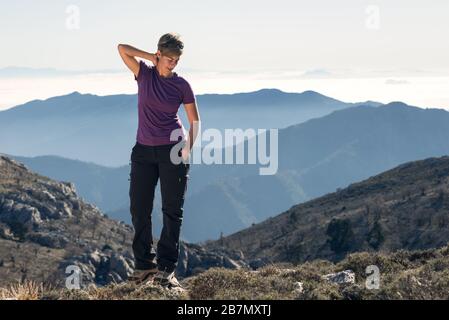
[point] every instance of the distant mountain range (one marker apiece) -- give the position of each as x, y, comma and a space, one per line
102, 129
315, 157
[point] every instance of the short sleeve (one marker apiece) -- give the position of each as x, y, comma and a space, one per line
144, 69
188, 95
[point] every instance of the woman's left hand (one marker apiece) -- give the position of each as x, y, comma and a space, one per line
185, 154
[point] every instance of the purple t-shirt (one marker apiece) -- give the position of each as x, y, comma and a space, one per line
159, 100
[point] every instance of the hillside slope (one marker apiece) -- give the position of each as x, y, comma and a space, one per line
406, 207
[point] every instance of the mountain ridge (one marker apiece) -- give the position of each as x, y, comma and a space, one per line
405, 207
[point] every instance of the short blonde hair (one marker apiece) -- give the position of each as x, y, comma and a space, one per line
170, 44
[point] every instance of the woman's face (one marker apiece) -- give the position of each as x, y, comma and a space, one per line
167, 62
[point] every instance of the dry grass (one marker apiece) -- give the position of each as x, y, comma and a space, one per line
29, 290
123, 291
404, 275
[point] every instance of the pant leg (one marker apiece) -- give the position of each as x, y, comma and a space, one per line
173, 180
143, 180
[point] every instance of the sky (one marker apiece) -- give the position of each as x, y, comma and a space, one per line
352, 50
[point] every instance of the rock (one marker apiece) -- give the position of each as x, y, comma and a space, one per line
5, 232
6, 160
68, 188
17, 213
240, 255
64, 208
49, 240
94, 258
299, 287
93, 207
87, 272
114, 277
76, 203
258, 263
50, 197
230, 264
101, 268
48, 211
178, 290
343, 277
119, 265
6, 205
194, 259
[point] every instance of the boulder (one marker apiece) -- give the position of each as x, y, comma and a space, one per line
119, 265
49, 240
299, 288
343, 277
5, 232
14, 213
68, 188
64, 209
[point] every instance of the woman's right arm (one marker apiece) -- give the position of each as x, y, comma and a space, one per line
129, 54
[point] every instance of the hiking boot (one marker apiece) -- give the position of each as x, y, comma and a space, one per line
167, 279
141, 276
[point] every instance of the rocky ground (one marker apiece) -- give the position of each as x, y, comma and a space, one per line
46, 228
401, 275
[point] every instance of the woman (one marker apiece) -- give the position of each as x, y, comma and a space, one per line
160, 131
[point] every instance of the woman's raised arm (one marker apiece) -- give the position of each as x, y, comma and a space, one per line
129, 54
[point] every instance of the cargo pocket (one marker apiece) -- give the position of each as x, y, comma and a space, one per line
186, 177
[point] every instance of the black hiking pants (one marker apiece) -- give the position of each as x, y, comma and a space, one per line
148, 164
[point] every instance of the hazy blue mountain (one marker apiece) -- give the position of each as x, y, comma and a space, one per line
102, 129
315, 157
83, 127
